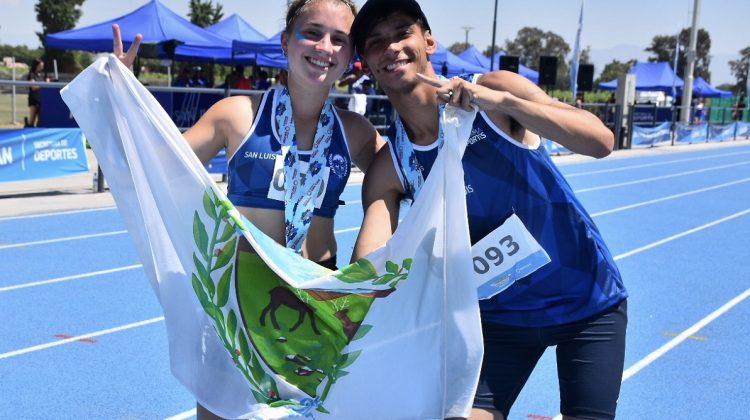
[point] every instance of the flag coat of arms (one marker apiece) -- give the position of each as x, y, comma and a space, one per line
395, 335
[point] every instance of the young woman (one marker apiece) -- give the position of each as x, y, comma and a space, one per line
290, 134
35, 75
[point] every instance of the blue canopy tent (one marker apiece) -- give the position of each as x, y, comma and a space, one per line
154, 21
701, 88
267, 52
472, 55
650, 77
231, 28
271, 45
455, 65
524, 71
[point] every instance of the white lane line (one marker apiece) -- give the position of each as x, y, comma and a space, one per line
638, 366
658, 178
661, 351
647, 165
669, 197
68, 278
79, 337
671, 344
69, 238
98, 235
184, 415
57, 213
681, 234
98, 273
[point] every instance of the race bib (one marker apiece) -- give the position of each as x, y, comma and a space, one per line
276, 188
505, 255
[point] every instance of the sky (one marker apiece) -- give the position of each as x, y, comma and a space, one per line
614, 29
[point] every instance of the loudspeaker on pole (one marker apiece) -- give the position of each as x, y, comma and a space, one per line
509, 62
585, 77
547, 70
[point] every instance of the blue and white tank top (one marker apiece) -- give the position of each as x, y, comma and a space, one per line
256, 169
503, 176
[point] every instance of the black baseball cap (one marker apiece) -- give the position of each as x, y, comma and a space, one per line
376, 11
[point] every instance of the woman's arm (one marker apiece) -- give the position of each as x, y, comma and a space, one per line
362, 138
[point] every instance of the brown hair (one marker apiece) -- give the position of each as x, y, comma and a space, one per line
299, 6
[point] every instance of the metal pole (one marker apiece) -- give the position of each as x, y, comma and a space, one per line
494, 31
687, 89
467, 29
13, 91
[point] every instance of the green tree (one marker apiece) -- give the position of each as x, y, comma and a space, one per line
585, 55
458, 47
489, 52
614, 70
22, 53
204, 13
56, 16
740, 69
662, 50
532, 43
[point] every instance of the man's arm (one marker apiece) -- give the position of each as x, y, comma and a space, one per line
381, 193
578, 130
504, 94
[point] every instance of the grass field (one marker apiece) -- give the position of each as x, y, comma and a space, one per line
6, 112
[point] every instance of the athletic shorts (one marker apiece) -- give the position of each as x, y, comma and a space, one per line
33, 100
590, 357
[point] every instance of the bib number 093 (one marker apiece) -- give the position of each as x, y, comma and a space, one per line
494, 255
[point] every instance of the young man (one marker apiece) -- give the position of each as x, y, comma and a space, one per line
577, 301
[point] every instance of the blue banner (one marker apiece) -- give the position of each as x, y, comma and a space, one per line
37, 153
643, 136
691, 133
743, 129
721, 132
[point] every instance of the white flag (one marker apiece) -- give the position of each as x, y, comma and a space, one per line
272, 335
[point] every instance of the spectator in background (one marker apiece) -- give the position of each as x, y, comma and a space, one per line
35, 104
282, 77
199, 78
699, 114
262, 83
182, 79
369, 90
236, 79
353, 82
739, 106
354, 79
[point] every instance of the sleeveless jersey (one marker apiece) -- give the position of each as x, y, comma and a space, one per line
503, 176
256, 170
